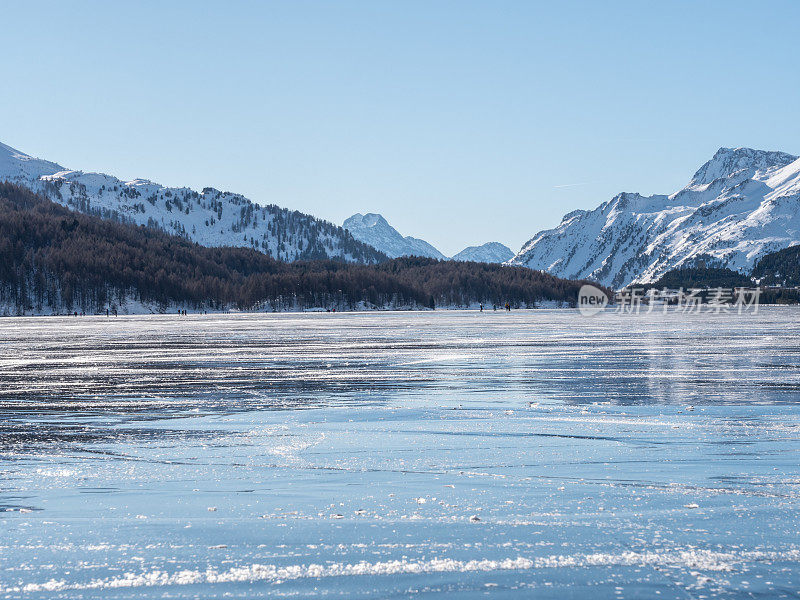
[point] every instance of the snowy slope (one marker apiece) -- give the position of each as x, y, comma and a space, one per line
738, 206
18, 167
210, 217
490, 252
374, 230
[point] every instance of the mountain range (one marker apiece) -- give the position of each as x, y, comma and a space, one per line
210, 218
216, 218
738, 206
374, 230
55, 260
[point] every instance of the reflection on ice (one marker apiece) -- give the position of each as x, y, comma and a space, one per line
390, 454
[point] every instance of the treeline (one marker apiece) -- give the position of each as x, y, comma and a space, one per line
701, 278
775, 274
455, 283
53, 259
779, 268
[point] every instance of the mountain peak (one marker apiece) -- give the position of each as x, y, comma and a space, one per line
727, 161
367, 220
740, 205
374, 230
490, 252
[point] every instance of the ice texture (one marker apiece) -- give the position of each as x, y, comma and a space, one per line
427, 455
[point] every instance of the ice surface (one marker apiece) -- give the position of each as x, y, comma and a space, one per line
373, 455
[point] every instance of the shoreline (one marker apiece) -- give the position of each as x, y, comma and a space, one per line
611, 310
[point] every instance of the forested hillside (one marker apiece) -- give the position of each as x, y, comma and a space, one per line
55, 260
779, 268
456, 283
701, 278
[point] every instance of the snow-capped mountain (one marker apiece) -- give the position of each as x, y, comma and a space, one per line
490, 252
374, 230
738, 206
210, 217
18, 167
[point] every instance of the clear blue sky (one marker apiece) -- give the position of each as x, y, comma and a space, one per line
461, 122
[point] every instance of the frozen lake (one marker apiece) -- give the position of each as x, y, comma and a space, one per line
391, 455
